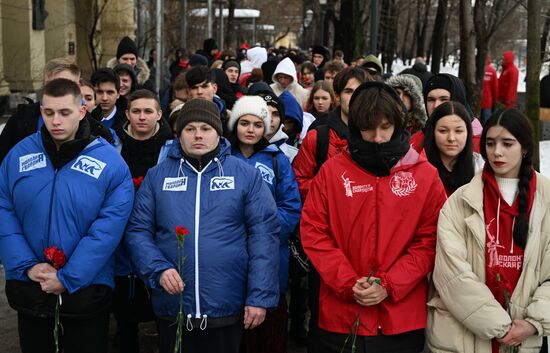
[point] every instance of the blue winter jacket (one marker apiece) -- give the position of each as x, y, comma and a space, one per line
284, 189
82, 208
231, 251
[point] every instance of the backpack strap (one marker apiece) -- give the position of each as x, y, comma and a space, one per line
321, 151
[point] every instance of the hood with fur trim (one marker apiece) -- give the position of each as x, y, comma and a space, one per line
411, 88
142, 70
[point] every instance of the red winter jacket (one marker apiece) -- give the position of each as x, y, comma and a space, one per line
349, 217
304, 164
508, 81
489, 91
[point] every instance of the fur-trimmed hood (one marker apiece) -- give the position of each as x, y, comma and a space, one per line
142, 70
411, 88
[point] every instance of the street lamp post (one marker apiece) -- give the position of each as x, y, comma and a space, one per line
323, 4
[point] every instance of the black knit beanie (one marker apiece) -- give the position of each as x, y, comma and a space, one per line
126, 46
199, 110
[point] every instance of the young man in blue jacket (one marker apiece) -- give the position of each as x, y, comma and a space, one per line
230, 273
66, 188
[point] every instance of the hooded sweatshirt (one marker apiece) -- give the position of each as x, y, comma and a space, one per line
286, 66
508, 81
255, 58
489, 92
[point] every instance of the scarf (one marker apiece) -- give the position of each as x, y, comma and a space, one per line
503, 257
376, 158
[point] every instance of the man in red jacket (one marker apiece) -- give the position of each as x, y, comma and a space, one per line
327, 139
489, 91
369, 228
508, 81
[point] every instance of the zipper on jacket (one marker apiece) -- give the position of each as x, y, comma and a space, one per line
51, 206
197, 219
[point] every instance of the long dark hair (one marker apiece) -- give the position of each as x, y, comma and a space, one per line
463, 167
520, 127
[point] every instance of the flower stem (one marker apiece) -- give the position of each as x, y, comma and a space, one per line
56, 323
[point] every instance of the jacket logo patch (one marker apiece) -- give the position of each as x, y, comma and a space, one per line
175, 184
347, 185
89, 166
350, 190
403, 184
32, 161
266, 172
222, 183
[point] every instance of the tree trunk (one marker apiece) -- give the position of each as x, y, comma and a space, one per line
532, 96
466, 69
388, 33
421, 48
406, 38
230, 26
437, 43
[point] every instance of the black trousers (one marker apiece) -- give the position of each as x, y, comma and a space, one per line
131, 305
407, 342
314, 283
224, 339
88, 335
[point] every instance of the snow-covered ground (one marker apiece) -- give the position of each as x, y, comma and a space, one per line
398, 66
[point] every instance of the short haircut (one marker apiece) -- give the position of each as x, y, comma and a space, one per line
341, 79
104, 75
334, 66
58, 65
180, 82
199, 74
338, 54
61, 87
87, 84
368, 106
143, 93
307, 65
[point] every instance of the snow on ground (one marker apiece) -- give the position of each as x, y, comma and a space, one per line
2, 127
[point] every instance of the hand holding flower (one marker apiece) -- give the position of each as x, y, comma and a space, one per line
171, 281
368, 292
518, 333
50, 283
35, 272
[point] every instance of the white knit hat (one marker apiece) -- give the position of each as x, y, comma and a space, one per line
252, 105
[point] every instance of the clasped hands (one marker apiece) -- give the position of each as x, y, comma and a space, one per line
367, 291
519, 332
46, 275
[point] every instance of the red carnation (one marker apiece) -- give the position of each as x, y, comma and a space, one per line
181, 232
137, 182
55, 256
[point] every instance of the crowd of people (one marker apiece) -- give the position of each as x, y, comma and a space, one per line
263, 185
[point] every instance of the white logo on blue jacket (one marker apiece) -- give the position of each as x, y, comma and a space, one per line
222, 183
266, 172
32, 161
175, 184
89, 166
